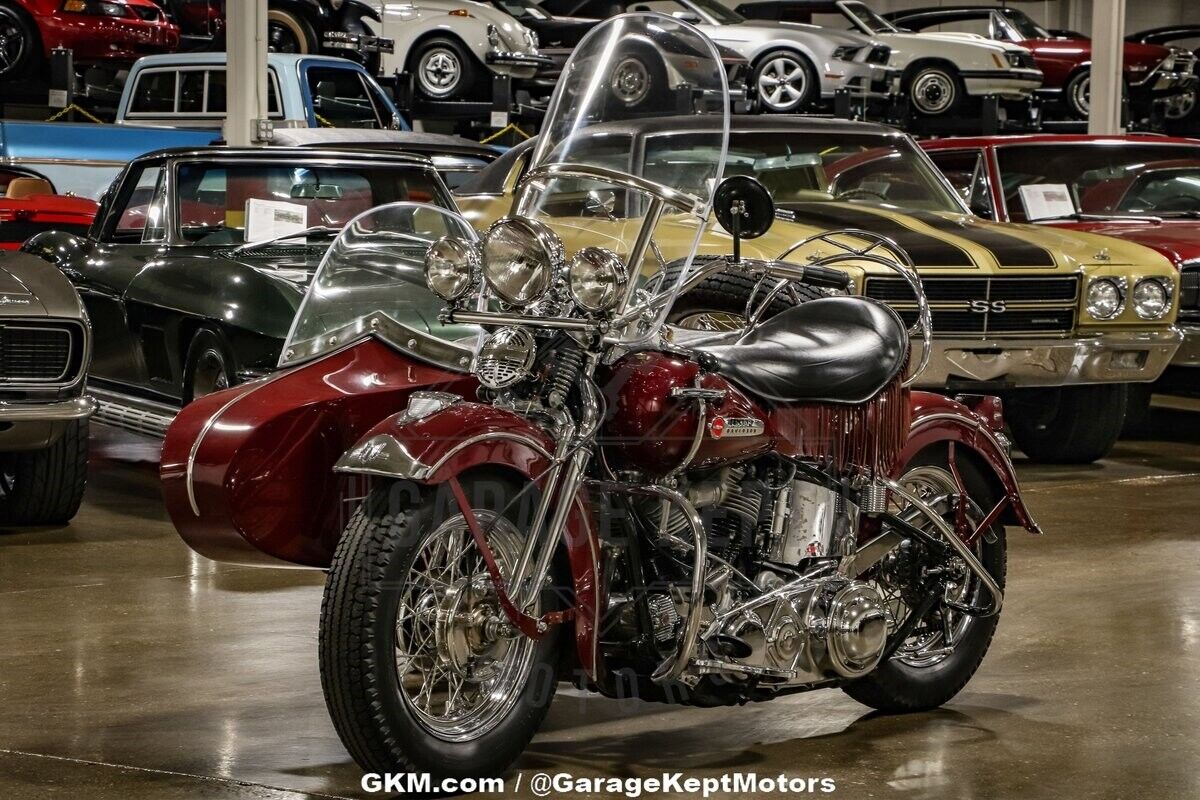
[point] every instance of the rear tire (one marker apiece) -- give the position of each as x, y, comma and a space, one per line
45, 487
365, 643
1070, 424
288, 33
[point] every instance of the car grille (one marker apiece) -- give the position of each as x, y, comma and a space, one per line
32, 353
1189, 293
986, 306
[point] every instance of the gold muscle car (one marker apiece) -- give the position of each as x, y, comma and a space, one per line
1045, 318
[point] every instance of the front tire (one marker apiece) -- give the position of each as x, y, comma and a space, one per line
409, 685
1077, 94
920, 675
935, 90
444, 70
208, 366
45, 487
1068, 425
785, 82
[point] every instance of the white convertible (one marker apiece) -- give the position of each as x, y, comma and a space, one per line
940, 70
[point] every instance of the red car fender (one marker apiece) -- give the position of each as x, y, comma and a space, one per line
940, 420
438, 448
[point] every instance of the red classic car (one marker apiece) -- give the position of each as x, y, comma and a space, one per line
97, 31
1152, 71
1143, 189
30, 204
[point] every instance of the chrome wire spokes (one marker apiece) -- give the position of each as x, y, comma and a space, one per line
461, 668
935, 637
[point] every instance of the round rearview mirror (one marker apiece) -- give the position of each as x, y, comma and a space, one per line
743, 207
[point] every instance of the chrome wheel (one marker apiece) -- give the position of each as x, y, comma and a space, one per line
782, 83
440, 72
933, 92
1181, 105
13, 41
934, 639
630, 81
461, 667
712, 321
210, 374
1081, 96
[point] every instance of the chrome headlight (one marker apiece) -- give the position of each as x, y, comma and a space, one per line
1152, 298
451, 266
1106, 297
505, 358
597, 279
520, 259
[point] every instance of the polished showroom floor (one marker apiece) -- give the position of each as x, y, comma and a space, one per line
131, 668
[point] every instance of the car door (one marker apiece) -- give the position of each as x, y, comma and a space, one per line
130, 234
967, 172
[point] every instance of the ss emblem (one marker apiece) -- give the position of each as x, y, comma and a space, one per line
984, 306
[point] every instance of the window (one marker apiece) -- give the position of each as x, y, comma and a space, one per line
154, 92
967, 172
216, 93
342, 99
191, 91
138, 211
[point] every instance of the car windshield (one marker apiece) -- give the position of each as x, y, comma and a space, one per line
521, 9
1106, 179
223, 203
867, 18
710, 8
1022, 24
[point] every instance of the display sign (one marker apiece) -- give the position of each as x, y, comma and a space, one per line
1047, 201
270, 219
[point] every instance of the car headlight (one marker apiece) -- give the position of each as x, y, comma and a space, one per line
1152, 298
1106, 297
520, 258
101, 8
846, 52
494, 39
597, 279
451, 266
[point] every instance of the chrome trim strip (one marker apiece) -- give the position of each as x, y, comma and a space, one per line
76, 408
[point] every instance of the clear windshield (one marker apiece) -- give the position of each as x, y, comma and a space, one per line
629, 74
1025, 27
372, 282
868, 19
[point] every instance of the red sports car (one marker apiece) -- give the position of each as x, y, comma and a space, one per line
29, 204
1143, 189
97, 31
1152, 71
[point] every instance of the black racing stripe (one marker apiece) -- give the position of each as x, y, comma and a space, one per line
1009, 250
924, 249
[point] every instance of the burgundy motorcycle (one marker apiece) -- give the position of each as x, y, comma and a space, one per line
539, 478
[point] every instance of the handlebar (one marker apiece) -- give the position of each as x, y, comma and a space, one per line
825, 277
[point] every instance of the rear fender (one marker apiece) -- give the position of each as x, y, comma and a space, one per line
939, 420
436, 449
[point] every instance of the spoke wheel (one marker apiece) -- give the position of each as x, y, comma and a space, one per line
630, 82
460, 672
17, 42
784, 82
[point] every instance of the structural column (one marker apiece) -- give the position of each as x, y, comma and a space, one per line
1108, 44
246, 120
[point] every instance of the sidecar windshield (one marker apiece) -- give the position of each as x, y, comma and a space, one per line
585, 178
372, 283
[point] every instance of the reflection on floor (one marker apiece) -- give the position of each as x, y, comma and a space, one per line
131, 668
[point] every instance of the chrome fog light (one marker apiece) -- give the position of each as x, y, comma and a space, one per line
520, 258
597, 279
451, 266
1152, 298
1106, 298
505, 358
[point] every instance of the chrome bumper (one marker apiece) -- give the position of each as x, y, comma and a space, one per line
1188, 354
1118, 357
62, 411
509, 59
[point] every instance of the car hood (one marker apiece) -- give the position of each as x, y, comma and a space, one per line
794, 30
1178, 240
295, 266
30, 286
907, 40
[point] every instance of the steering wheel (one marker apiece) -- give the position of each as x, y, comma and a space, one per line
860, 191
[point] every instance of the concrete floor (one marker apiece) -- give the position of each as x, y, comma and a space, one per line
131, 668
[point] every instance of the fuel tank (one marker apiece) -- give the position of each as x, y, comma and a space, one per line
648, 429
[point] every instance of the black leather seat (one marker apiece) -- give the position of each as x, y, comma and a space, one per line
832, 350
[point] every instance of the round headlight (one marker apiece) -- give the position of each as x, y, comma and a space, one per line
520, 257
597, 279
1105, 298
450, 267
1151, 299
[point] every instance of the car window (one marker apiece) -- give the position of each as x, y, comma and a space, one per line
134, 208
341, 99
211, 197
1163, 191
967, 172
191, 91
154, 92
217, 99
577, 197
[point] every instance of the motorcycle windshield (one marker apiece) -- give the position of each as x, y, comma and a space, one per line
587, 179
371, 282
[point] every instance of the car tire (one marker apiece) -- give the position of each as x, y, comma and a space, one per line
1077, 94
785, 82
289, 33
934, 90
22, 45
719, 302
208, 366
45, 487
443, 69
1067, 425
638, 82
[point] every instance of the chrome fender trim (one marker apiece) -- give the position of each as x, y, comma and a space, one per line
386, 456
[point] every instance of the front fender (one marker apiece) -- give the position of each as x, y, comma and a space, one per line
939, 420
436, 448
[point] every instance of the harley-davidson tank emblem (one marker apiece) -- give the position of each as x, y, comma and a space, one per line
732, 427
